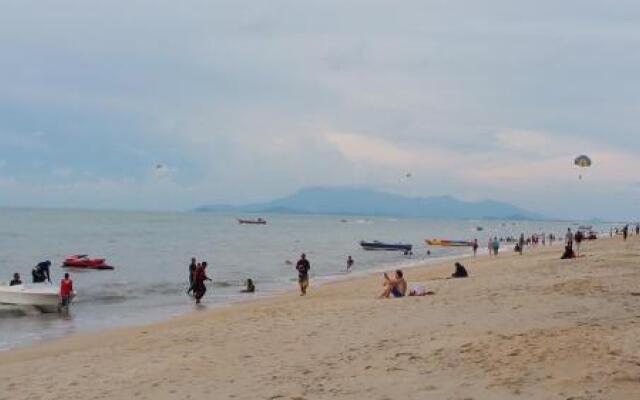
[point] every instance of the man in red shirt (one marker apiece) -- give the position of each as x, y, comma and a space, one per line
66, 291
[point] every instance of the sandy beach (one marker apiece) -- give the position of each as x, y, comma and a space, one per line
530, 327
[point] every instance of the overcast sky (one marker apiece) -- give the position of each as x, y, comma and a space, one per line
168, 105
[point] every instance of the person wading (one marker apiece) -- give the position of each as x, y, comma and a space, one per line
303, 268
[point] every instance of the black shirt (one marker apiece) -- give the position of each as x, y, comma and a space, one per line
303, 267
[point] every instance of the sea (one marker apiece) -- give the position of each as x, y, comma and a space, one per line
151, 252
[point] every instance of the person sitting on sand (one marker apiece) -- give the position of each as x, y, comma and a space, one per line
460, 272
16, 280
568, 252
419, 290
396, 286
250, 287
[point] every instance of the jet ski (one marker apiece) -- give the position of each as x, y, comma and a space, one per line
84, 261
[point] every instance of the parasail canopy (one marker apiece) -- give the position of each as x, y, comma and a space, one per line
582, 161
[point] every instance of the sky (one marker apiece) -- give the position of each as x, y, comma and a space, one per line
165, 105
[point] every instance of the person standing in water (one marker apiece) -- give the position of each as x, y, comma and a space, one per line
349, 263
192, 271
199, 277
475, 247
303, 268
66, 291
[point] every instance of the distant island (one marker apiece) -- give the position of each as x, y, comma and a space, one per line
363, 201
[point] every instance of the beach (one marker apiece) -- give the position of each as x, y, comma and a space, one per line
530, 327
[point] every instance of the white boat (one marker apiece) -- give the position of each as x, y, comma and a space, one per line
42, 296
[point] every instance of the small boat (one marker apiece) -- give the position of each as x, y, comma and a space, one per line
376, 245
479, 228
42, 296
83, 261
258, 221
448, 243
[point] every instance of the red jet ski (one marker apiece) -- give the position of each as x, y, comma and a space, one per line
83, 261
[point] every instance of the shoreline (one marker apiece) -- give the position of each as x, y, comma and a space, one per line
291, 288
531, 326
317, 282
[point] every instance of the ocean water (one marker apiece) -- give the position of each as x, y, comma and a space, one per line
151, 252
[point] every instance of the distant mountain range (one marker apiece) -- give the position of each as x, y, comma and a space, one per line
360, 201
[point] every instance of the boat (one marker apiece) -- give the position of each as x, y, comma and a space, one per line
84, 261
42, 296
479, 228
448, 243
377, 245
258, 221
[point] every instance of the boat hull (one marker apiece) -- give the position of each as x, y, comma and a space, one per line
251, 222
448, 243
43, 297
378, 246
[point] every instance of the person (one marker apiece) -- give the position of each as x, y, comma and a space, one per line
192, 271
568, 252
396, 286
250, 287
490, 247
460, 272
578, 239
496, 246
637, 229
41, 273
199, 277
16, 280
568, 239
350, 263
303, 268
521, 244
419, 290
66, 291
625, 232
475, 247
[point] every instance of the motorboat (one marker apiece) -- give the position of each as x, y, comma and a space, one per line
258, 221
448, 243
377, 245
42, 296
84, 261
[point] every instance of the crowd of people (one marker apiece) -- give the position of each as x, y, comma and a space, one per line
393, 286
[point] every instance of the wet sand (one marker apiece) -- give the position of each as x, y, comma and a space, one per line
530, 327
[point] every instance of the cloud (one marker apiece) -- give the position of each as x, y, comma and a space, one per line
243, 102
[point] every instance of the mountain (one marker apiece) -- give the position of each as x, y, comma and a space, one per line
361, 201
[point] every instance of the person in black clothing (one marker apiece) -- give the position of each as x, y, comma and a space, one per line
350, 263
303, 268
578, 239
40, 273
16, 280
460, 272
625, 232
192, 271
250, 287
